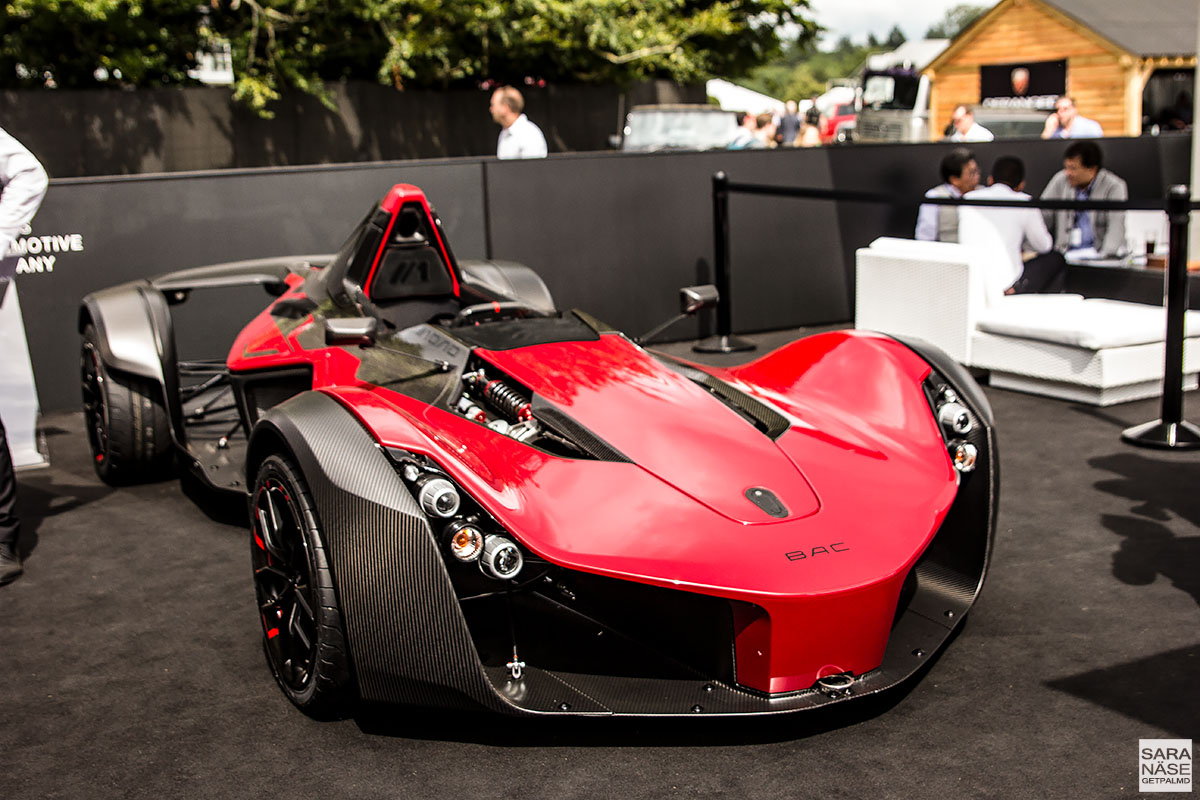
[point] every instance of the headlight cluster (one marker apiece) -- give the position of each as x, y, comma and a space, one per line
468, 534
955, 422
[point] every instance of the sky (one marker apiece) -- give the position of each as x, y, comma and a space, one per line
858, 18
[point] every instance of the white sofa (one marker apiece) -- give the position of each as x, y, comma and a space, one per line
1086, 350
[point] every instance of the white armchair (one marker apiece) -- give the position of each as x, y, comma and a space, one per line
1087, 350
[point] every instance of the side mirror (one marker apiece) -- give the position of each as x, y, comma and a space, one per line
275, 288
691, 300
698, 298
350, 330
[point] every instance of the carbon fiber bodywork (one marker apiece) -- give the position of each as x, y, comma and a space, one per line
508, 279
135, 335
134, 328
406, 632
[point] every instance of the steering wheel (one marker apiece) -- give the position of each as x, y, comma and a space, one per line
494, 312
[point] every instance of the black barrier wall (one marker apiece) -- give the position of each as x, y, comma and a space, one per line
79, 133
610, 233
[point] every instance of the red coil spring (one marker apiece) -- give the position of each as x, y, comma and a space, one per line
501, 396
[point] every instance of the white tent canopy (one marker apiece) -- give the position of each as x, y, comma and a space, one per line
738, 98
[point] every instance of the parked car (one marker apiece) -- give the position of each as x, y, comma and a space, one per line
462, 497
1012, 123
838, 126
677, 127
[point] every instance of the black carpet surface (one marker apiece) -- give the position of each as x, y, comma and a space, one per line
131, 666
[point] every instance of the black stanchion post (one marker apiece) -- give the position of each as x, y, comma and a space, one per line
1171, 431
724, 341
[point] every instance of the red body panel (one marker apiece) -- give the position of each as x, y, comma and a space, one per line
664, 422
828, 580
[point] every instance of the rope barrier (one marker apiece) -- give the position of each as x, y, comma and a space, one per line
1170, 431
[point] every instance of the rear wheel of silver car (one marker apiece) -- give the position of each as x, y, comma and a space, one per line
303, 635
127, 423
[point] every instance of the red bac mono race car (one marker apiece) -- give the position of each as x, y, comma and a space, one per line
462, 497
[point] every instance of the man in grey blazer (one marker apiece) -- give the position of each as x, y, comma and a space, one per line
1083, 177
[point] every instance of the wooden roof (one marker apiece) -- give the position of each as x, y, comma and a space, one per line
1145, 28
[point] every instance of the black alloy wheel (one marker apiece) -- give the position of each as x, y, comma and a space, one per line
95, 409
297, 604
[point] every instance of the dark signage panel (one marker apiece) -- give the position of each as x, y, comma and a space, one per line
1030, 85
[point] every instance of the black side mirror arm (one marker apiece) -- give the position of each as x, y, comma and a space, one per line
692, 299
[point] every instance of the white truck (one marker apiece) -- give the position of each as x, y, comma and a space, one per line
894, 102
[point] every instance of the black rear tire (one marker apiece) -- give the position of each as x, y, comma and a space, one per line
127, 423
303, 635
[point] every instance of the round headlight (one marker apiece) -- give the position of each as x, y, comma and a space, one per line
963, 454
465, 540
501, 558
437, 496
954, 419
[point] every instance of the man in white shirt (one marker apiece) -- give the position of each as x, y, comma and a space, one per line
966, 129
23, 184
1004, 232
519, 138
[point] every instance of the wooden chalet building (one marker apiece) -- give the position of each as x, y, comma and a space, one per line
1126, 63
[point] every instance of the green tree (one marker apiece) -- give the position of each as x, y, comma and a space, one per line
803, 71
404, 43
298, 43
89, 43
895, 38
955, 21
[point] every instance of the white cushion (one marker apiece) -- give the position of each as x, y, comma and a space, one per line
1092, 324
889, 245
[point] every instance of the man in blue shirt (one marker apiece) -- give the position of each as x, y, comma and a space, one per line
1065, 122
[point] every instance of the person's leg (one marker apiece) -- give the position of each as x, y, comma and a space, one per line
10, 527
1044, 274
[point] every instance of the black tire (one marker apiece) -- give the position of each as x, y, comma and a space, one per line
127, 423
303, 636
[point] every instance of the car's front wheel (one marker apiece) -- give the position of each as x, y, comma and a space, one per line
303, 634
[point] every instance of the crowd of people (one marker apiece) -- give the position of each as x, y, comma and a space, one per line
1036, 244
791, 128
522, 138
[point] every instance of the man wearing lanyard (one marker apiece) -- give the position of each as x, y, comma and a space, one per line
1086, 234
24, 184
